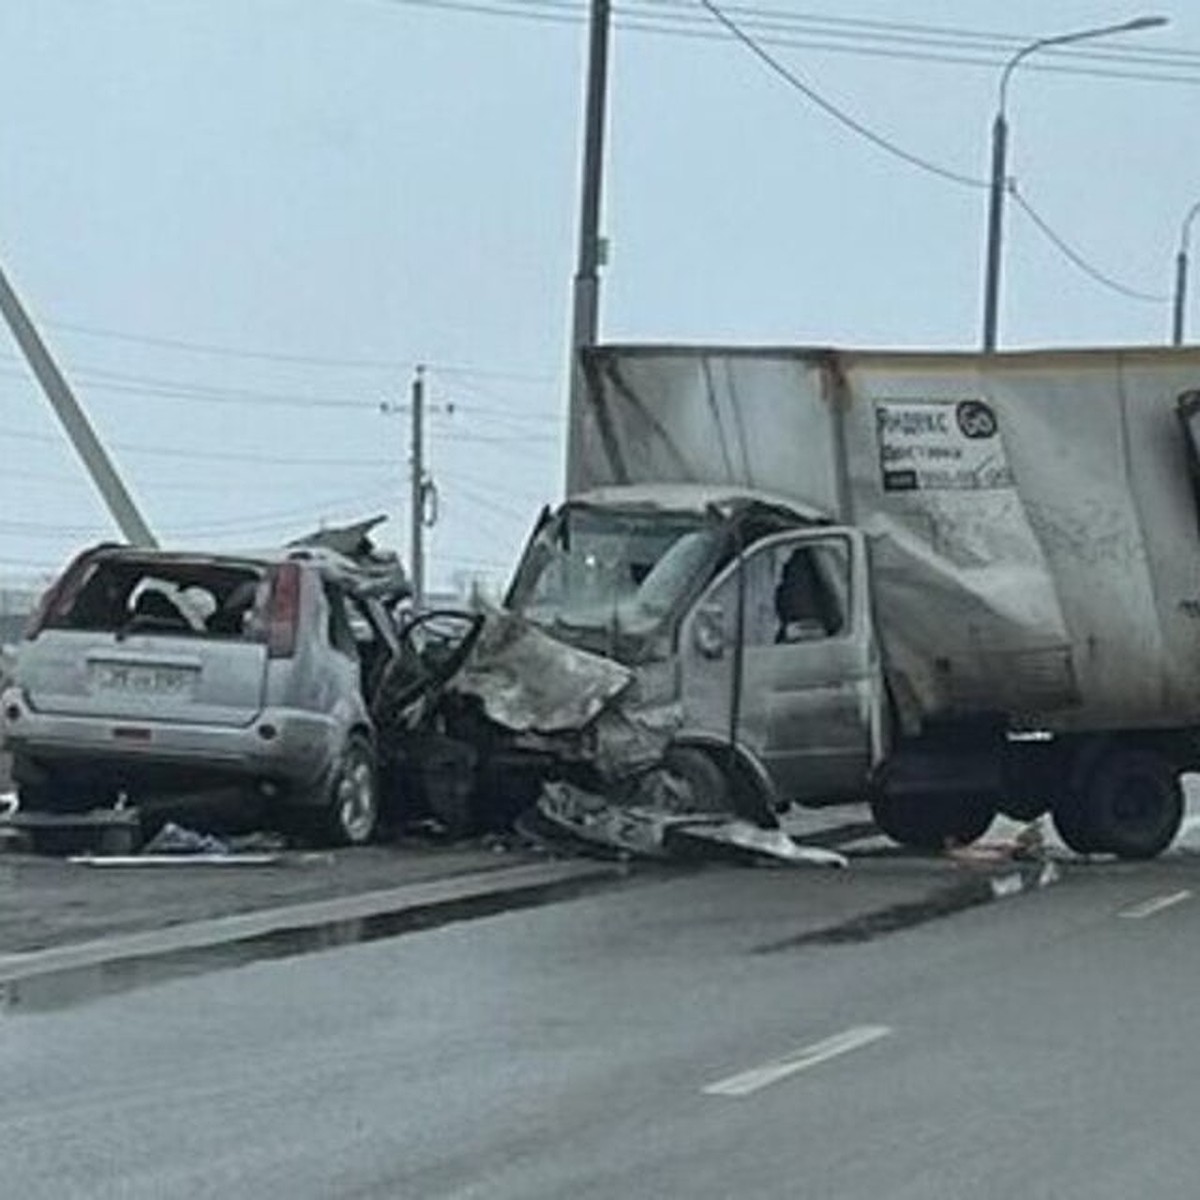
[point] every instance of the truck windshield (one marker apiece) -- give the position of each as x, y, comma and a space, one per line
595, 569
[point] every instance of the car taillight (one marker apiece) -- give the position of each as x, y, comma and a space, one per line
283, 611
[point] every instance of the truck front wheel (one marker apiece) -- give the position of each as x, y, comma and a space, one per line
932, 822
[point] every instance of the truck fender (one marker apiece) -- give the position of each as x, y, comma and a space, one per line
755, 794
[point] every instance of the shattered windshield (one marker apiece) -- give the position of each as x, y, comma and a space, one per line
594, 569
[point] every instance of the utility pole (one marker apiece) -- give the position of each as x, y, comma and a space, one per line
416, 545
999, 182
1181, 275
995, 230
74, 421
585, 319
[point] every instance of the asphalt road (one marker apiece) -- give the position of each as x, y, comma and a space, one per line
649, 1042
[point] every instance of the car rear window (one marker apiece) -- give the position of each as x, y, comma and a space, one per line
171, 596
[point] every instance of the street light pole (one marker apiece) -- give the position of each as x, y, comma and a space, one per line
999, 181
585, 316
1181, 274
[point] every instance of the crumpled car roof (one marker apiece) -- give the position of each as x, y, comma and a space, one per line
347, 554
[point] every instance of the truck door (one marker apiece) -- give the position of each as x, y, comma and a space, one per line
805, 692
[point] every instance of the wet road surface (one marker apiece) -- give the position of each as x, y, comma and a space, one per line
682, 1037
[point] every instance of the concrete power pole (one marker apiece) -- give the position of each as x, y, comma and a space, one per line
416, 544
83, 437
586, 294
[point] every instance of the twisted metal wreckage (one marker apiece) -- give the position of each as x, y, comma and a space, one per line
496, 722
569, 729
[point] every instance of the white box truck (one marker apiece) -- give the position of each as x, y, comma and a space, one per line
950, 583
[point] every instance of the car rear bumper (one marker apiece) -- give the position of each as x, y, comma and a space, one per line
281, 746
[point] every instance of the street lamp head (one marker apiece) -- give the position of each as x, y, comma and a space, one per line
1144, 23
1063, 39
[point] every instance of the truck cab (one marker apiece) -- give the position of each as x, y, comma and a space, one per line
747, 615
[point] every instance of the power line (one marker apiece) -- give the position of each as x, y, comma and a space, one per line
121, 383
1075, 257
903, 32
1055, 238
680, 25
833, 110
226, 351
176, 452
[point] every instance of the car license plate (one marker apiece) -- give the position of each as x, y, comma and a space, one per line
141, 679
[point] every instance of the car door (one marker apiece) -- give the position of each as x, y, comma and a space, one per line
803, 684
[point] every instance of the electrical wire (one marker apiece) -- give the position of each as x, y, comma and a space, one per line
120, 383
565, 12
313, 360
1073, 256
1040, 222
833, 110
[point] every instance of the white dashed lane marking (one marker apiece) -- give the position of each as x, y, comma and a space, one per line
747, 1082
1156, 904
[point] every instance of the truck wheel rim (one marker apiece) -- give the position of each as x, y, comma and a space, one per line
356, 800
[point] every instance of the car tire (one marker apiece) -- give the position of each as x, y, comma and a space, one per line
351, 812
932, 821
1134, 803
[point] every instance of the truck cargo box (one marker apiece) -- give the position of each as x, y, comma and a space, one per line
1032, 516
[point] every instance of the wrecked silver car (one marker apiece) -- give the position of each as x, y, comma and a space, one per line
167, 679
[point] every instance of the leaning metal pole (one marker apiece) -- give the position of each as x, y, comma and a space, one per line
74, 421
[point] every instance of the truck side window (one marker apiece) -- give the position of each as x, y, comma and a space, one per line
811, 591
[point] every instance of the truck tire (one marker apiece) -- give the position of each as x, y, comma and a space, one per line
705, 780
1134, 803
1072, 820
932, 821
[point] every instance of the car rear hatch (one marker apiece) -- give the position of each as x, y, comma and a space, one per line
148, 637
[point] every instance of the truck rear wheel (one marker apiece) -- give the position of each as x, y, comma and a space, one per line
1134, 803
1072, 820
933, 821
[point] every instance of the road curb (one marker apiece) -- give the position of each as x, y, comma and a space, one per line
342, 920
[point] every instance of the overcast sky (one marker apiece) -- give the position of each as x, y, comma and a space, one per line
371, 183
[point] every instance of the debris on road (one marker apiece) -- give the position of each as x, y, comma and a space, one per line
638, 830
176, 840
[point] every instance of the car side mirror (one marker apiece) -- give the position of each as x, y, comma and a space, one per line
708, 632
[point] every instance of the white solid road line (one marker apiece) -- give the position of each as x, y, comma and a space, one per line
1156, 904
760, 1077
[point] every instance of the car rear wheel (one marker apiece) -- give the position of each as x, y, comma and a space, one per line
351, 814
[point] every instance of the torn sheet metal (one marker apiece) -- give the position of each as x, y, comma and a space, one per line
629, 737
642, 831
748, 839
528, 681
347, 554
